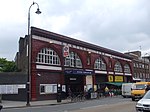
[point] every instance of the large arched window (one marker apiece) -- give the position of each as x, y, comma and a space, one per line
127, 68
99, 64
48, 56
118, 67
73, 60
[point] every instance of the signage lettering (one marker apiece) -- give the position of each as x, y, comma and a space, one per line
78, 72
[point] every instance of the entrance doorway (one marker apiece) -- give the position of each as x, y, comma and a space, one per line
75, 83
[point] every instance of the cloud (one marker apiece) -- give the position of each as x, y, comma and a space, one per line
121, 25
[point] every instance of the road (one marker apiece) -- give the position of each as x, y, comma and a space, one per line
115, 104
119, 107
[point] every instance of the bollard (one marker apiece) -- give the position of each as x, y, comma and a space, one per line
59, 90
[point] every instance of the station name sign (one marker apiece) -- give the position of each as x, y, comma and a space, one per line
78, 72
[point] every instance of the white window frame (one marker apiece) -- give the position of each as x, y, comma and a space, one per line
127, 68
48, 56
48, 88
118, 67
99, 64
73, 60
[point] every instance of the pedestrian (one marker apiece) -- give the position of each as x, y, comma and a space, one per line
1, 107
106, 91
147, 88
69, 92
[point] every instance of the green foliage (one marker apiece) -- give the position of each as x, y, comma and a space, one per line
7, 66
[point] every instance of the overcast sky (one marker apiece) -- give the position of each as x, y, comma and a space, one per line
120, 25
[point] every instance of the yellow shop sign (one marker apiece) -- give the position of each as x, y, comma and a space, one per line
110, 78
118, 78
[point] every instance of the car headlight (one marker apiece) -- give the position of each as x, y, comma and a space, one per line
139, 104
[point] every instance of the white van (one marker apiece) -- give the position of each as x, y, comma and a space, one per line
126, 89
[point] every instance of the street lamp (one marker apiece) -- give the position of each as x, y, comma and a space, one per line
29, 52
37, 12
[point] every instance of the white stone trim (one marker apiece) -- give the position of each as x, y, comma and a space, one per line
104, 72
111, 73
127, 74
118, 73
51, 41
48, 67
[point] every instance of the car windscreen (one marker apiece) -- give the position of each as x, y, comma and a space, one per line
147, 95
140, 86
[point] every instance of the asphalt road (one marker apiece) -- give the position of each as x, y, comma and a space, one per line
119, 107
115, 104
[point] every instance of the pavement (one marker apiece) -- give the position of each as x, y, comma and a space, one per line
20, 104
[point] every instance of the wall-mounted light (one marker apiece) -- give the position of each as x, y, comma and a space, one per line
89, 52
39, 75
51, 42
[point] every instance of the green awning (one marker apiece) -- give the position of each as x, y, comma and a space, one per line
115, 83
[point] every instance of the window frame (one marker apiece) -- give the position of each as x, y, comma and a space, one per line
118, 67
48, 56
99, 64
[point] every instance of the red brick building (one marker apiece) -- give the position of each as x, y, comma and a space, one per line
141, 66
78, 65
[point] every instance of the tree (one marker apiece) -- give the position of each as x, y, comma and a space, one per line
7, 66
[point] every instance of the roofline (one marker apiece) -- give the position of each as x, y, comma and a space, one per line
44, 33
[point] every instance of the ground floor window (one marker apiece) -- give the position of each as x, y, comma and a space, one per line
48, 88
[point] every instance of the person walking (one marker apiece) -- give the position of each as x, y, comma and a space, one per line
106, 91
1, 107
147, 88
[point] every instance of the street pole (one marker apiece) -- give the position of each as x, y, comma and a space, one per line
29, 53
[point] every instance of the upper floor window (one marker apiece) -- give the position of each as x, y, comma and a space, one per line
73, 60
99, 64
127, 68
48, 56
137, 65
118, 67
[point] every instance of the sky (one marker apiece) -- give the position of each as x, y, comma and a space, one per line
120, 25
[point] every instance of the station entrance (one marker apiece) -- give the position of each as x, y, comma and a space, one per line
74, 83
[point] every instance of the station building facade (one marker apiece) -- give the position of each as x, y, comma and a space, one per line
74, 64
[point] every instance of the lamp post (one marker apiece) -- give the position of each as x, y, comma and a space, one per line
29, 53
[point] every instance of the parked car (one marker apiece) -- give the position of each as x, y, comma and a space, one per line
144, 103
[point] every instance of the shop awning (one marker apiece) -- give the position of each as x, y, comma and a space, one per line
115, 83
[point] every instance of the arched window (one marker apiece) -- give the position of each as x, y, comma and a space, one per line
73, 60
48, 56
118, 67
127, 68
99, 64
